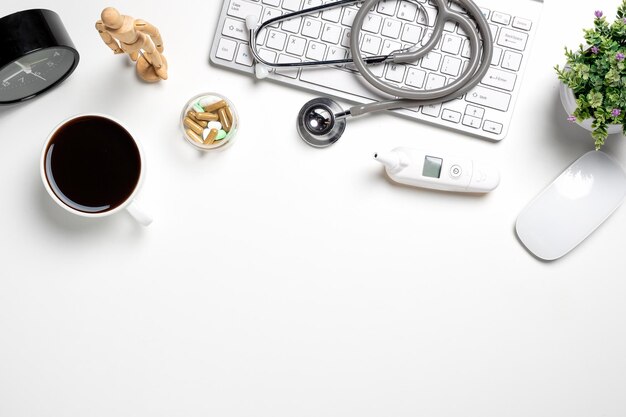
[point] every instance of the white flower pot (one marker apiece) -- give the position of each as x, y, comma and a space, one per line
569, 103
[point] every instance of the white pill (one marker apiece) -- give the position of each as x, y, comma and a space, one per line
214, 125
205, 133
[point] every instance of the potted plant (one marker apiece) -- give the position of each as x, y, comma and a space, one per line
593, 81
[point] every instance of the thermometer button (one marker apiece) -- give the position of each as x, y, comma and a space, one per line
456, 171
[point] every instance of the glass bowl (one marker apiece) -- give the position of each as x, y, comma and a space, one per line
209, 121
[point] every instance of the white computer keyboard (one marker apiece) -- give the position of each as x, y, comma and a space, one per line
486, 111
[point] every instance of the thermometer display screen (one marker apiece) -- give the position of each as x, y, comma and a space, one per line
432, 167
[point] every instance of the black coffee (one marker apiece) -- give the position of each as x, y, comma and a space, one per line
92, 164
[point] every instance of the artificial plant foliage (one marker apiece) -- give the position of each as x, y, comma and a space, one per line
596, 72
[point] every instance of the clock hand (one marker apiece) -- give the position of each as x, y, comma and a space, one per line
37, 75
24, 67
37, 62
11, 76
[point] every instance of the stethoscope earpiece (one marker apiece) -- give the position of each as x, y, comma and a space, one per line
321, 122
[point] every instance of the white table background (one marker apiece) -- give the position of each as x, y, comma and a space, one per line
279, 280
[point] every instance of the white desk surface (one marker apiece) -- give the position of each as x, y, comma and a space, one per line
279, 280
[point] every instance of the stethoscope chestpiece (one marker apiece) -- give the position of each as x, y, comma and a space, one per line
318, 125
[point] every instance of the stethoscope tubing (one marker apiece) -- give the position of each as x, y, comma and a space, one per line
478, 66
476, 69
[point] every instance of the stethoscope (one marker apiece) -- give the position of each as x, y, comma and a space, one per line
322, 121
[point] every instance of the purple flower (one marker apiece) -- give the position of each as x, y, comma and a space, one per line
619, 56
624, 20
595, 50
616, 112
571, 119
598, 13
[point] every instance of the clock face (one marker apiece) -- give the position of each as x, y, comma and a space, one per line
34, 73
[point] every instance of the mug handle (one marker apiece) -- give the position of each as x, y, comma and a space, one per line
138, 214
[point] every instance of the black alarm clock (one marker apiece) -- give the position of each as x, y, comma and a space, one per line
36, 54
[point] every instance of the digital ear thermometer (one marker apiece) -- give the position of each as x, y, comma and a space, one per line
440, 172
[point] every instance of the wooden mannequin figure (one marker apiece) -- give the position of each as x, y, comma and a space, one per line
137, 38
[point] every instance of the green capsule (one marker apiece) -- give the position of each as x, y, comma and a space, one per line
221, 135
197, 107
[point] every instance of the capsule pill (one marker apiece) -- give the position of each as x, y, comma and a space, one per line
209, 117
215, 106
194, 136
193, 116
224, 120
211, 137
193, 125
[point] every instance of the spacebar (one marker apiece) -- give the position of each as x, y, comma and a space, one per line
339, 80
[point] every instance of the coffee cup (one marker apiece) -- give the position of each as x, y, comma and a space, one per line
93, 167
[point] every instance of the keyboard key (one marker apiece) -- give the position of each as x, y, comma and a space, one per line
497, 54
432, 110
487, 97
390, 46
372, 23
316, 51
296, 45
275, 3
451, 116
407, 11
523, 24
415, 77
513, 39
431, 61
512, 60
492, 127
465, 52
226, 49
292, 25
494, 30
287, 72
276, 40
451, 44
395, 73
500, 79
244, 56
427, 37
472, 121
387, 7
371, 44
451, 66
292, 5
235, 29
434, 81
332, 15
345, 39
475, 111
391, 28
428, 19
331, 33
312, 3
348, 16
243, 9
267, 55
502, 18
411, 33
335, 53
377, 70
270, 13
311, 28
449, 26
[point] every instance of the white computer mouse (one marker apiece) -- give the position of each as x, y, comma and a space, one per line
573, 206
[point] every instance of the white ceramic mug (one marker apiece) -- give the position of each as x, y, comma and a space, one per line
129, 203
